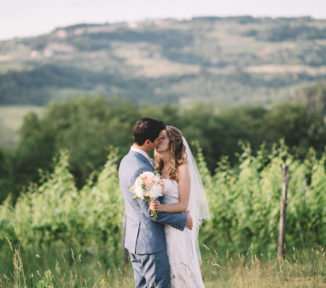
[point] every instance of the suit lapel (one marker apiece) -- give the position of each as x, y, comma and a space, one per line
142, 158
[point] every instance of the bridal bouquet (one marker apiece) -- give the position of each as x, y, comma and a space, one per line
148, 186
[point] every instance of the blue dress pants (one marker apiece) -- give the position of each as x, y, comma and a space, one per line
151, 270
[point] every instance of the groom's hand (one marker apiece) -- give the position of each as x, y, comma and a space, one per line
189, 221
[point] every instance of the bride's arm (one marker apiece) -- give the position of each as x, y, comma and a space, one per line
184, 193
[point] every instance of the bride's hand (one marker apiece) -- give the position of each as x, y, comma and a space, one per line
155, 205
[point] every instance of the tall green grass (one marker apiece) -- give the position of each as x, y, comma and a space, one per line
52, 268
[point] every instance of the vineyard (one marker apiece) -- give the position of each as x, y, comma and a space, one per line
54, 226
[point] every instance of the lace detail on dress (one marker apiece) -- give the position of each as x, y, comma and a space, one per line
184, 263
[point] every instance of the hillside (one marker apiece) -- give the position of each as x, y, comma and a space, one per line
227, 61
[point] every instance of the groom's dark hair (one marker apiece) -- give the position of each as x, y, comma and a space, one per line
147, 128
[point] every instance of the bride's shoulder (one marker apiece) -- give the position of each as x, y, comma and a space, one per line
183, 167
183, 170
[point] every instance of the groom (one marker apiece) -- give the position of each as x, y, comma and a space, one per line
144, 236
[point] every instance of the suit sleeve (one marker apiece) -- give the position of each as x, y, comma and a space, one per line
177, 220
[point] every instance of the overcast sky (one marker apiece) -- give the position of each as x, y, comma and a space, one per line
20, 18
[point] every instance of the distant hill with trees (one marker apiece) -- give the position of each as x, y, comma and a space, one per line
221, 60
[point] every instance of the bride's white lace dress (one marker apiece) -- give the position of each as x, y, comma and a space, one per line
184, 262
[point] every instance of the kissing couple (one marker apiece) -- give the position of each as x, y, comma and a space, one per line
163, 246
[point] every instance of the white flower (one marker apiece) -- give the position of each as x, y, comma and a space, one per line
138, 188
156, 191
147, 184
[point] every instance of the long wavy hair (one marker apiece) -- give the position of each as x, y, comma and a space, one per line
177, 152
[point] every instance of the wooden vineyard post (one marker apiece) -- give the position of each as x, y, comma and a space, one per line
281, 239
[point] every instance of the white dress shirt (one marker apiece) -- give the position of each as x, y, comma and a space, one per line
143, 153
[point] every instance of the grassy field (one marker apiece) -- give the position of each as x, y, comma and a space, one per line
11, 118
50, 269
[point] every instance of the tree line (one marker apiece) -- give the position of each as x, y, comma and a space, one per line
88, 127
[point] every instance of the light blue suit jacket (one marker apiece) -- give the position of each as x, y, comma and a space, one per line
144, 233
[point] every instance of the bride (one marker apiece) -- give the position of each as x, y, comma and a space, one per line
184, 191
